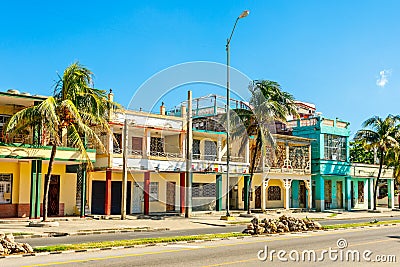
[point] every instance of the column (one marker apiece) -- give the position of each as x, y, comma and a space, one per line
390, 186
309, 194
347, 198
287, 184
319, 193
32, 203
247, 187
38, 187
146, 192
371, 193
218, 181
83, 190
263, 198
182, 187
107, 204
147, 142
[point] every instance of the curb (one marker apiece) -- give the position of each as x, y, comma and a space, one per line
186, 242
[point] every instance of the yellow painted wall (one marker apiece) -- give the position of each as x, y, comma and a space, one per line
24, 182
21, 187
7, 167
204, 178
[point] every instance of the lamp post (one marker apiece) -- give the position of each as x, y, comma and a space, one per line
228, 155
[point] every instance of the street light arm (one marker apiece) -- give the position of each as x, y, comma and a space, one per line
230, 37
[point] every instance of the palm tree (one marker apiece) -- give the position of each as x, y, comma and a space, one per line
76, 109
380, 134
268, 103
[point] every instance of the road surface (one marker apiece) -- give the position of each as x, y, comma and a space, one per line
370, 243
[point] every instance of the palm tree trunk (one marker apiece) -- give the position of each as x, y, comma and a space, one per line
47, 182
377, 179
253, 164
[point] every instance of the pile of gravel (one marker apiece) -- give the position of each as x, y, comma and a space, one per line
281, 225
9, 246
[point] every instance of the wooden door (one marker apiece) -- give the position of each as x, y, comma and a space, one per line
54, 196
257, 199
339, 195
137, 197
328, 193
302, 194
170, 196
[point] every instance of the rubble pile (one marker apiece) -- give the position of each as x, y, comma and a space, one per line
281, 225
9, 246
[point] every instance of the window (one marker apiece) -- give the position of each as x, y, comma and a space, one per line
210, 150
153, 195
118, 145
335, 147
5, 188
196, 149
157, 144
203, 190
274, 193
3, 121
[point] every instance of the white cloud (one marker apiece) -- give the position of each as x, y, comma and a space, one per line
383, 78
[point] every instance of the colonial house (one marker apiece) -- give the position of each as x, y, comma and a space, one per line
336, 182
23, 164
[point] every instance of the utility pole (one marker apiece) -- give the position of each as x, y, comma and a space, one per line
124, 169
189, 151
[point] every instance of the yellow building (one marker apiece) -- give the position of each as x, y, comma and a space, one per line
23, 163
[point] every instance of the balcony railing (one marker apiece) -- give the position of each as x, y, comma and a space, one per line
165, 154
19, 139
131, 152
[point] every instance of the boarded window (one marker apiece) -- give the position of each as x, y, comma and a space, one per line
137, 143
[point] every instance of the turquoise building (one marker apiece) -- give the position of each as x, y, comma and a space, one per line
336, 182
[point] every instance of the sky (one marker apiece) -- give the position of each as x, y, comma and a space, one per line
341, 55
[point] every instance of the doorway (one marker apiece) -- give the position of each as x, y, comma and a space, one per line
339, 195
302, 194
138, 198
171, 186
257, 200
54, 196
328, 193
99, 197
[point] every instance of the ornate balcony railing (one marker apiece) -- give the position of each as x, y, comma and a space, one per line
165, 154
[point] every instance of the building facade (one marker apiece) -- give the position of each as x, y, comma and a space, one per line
23, 164
336, 182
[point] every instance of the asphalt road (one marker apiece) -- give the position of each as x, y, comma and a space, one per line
368, 245
135, 235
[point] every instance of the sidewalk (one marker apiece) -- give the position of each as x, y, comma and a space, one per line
78, 226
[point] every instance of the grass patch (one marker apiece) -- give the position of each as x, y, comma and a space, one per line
349, 225
332, 215
239, 222
143, 241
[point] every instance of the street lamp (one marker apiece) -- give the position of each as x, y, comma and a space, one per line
228, 155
